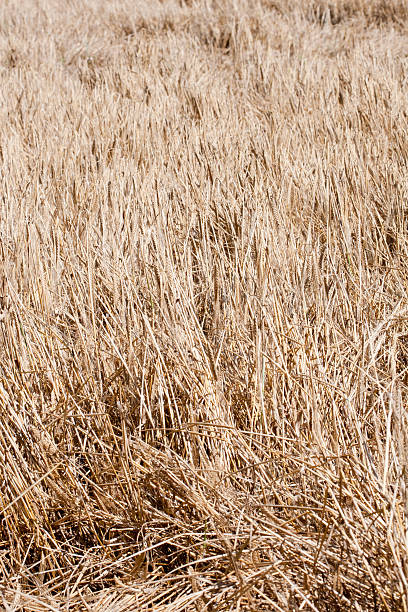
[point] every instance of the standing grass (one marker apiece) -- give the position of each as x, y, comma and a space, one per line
203, 305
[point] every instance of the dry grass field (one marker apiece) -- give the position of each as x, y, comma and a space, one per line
203, 305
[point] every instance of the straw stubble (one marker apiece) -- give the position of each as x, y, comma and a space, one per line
203, 314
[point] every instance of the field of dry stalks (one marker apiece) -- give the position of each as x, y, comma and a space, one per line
203, 305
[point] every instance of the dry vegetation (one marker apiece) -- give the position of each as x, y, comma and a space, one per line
203, 305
